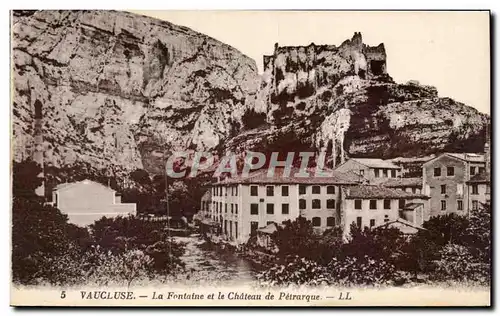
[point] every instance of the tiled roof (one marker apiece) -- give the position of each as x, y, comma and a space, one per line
483, 177
403, 225
278, 177
412, 206
379, 192
470, 157
71, 184
376, 163
400, 182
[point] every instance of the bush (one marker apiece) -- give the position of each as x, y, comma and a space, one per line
457, 263
122, 234
365, 271
295, 270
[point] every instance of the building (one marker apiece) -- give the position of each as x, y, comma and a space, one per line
372, 205
243, 205
407, 228
410, 185
479, 190
87, 201
371, 169
445, 178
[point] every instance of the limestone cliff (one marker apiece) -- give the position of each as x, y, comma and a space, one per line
119, 90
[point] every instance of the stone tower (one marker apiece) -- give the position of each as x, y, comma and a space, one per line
38, 152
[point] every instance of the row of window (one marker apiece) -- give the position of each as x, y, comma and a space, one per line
316, 222
359, 221
358, 204
316, 189
450, 171
384, 173
254, 208
316, 204
460, 205
460, 189
217, 207
225, 191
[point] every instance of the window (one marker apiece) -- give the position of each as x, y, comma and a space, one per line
377, 173
481, 169
386, 218
316, 221
475, 205
372, 222
330, 203
475, 189
225, 207
236, 208
316, 204
225, 191
225, 227
373, 204
302, 204
385, 173
235, 229
216, 207
270, 190
330, 221
254, 209
232, 208
472, 171
330, 189
387, 204
443, 205
450, 171
393, 173
357, 204
316, 189
359, 221
443, 188
253, 227
302, 189
402, 204
254, 190
284, 190
437, 172
236, 189
270, 208
220, 206
285, 208
230, 228
460, 205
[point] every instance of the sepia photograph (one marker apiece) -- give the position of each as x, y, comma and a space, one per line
250, 158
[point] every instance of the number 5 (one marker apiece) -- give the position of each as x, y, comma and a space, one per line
63, 294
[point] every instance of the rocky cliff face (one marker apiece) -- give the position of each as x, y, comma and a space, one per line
341, 100
118, 89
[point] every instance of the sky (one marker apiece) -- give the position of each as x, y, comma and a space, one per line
448, 50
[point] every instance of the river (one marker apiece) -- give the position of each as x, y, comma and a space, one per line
215, 266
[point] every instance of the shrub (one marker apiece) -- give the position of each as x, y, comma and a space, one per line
457, 263
122, 234
364, 271
295, 270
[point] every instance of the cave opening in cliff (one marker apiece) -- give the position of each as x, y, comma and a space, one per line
377, 67
38, 109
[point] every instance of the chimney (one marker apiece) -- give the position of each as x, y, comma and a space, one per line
38, 152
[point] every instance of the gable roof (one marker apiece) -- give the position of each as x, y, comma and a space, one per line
65, 186
466, 157
400, 182
403, 225
483, 177
379, 192
376, 163
260, 177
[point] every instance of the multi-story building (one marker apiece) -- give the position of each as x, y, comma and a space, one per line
242, 205
371, 169
410, 185
445, 178
479, 190
371, 205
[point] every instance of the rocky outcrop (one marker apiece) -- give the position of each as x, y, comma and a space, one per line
341, 100
119, 90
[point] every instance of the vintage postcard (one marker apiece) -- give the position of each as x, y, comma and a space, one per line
250, 158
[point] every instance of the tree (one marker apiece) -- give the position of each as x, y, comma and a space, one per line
140, 176
444, 229
479, 232
296, 238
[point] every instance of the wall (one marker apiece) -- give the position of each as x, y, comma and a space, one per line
351, 214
